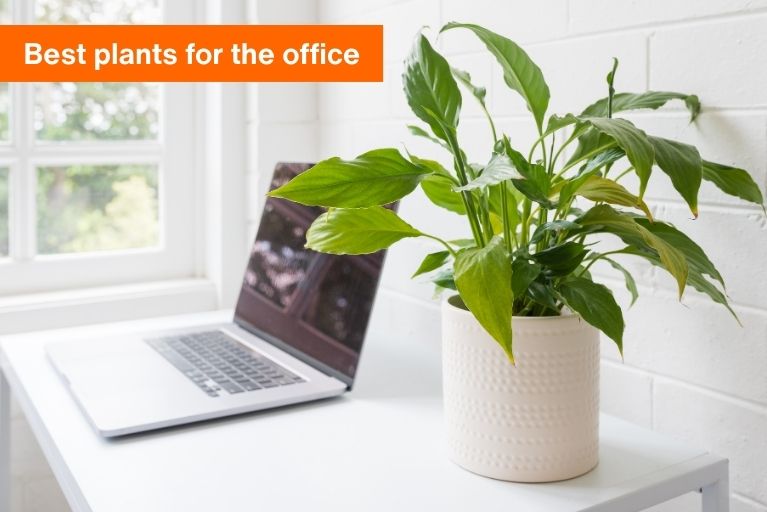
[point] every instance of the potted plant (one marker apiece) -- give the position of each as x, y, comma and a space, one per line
521, 335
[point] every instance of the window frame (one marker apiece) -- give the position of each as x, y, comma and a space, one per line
177, 254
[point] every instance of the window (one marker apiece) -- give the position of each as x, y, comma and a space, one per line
97, 180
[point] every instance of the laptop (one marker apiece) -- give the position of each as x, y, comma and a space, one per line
296, 336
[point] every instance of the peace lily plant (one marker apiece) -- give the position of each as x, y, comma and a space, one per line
535, 215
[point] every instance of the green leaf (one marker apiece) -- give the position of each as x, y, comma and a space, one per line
519, 71
535, 184
561, 259
555, 226
432, 262
465, 79
631, 284
733, 181
495, 203
375, 178
633, 141
483, 277
438, 186
599, 189
523, 272
463, 243
591, 144
430, 88
596, 305
694, 278
604, 219
558, 122
651, 99
542, 294
359, 231
683, 165
420, 132
440, 192
500, 168
607, 157
445, 279
696, 258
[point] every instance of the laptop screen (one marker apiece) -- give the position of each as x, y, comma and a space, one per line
314, 306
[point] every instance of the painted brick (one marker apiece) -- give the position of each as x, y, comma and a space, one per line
401, 261
626, 394
731, 238
601, 15
717, 64
400, 316
523, 22
727, 428
575, 72
285, 11
275, 142
700, 343
283, 102
336, 11
354, 101
368, 135
401, 21
738, 139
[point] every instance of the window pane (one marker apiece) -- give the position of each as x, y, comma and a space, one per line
86, 208
5, 108
3, 212
5, 11
66, 111
96, 111
97, 11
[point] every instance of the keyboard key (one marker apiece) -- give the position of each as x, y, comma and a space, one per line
231, 387
213, 361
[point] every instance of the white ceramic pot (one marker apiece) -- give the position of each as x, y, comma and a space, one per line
537, 421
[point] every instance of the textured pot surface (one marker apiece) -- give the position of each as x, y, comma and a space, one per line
537, 421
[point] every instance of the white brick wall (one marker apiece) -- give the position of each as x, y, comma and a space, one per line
689, 370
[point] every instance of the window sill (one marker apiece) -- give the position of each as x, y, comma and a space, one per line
21, 313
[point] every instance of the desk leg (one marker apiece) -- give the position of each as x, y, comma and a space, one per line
5, 445
716, 497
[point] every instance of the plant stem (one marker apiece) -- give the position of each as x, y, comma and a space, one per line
543, 215
490, 120
581, 159
447, 245
562, 148
598, 257
624, 173
526, 207
505, 213
468, 200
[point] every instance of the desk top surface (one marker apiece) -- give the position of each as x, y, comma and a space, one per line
379, 447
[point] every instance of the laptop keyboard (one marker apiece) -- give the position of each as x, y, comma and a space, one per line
216, 362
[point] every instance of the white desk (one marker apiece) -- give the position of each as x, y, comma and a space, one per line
379, 448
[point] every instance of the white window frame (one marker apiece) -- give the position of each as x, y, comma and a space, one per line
178, 253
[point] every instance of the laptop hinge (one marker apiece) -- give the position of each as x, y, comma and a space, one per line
301, 356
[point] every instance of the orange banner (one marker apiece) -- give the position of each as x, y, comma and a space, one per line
191, 53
